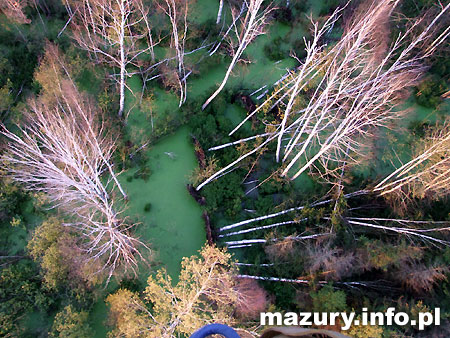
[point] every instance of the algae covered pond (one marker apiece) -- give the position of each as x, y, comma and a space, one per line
161, 137
171, 219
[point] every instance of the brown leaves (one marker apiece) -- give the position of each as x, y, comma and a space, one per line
13, 9
332, 263
281, 250
421, 278
253, 299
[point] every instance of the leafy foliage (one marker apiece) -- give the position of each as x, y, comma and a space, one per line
429, 91
328, 300
21, 292
70, 323
45, 247
206, 292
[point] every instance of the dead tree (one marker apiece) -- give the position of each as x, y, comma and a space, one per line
428, 173
65, 152
219, 12
116, 32
177, 11
425, 231
357, 86
290, 210
13, 9
250, 26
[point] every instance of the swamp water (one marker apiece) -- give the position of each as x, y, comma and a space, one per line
171, 221
172, 226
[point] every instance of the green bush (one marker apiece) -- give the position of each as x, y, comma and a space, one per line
328, 300
71, 324
429, 91
21, 292
412, 8
143, 173
274, 51
328, 6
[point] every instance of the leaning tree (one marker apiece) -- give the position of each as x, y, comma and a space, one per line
65, 151
332, 103
428, 173
177, 13
329, 108
248, 23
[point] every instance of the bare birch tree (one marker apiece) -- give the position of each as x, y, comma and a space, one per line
357, 86
219, 12
116, 32
65, 152
424, 231
250, 26
177, 11
428, 173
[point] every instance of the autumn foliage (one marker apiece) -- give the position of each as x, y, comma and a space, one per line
207, 292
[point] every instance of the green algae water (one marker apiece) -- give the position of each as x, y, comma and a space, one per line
171, 220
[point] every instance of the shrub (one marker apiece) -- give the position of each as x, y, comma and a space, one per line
328, 300
428, 92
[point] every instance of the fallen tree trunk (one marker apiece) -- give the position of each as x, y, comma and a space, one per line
199, 153
194, 193
209, 236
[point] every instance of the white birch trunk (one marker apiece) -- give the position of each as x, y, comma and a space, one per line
261, 218
235, 59
122, 58
409, 232
260, 228
251, 30
358, 82
278, 279
112, 30
250, 242
250, 264
219, 13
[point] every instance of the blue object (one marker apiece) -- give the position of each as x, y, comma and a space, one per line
210, 329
